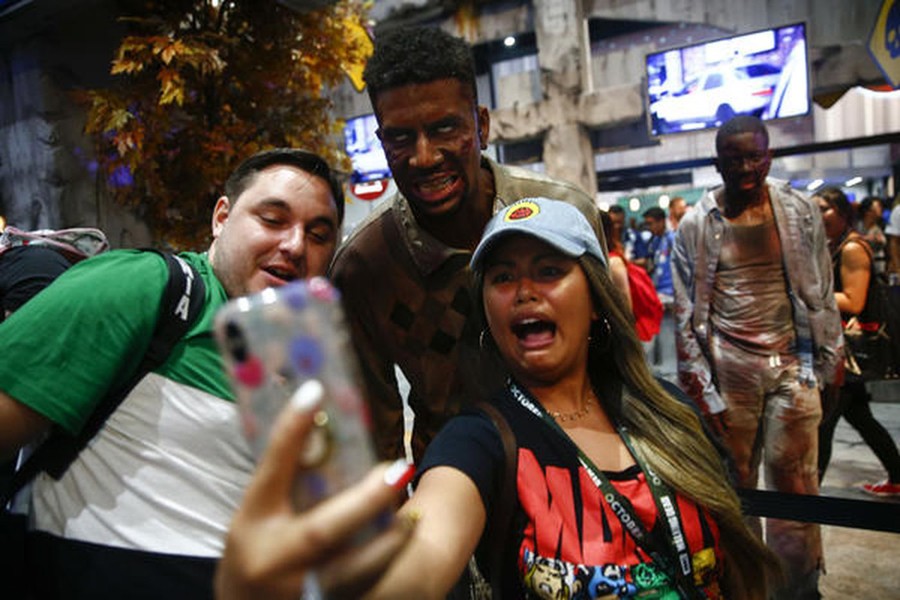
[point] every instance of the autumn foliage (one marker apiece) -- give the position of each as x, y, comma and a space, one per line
201, 85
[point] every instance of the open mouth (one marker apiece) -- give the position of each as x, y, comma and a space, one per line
534, 330
435, 188
284, 275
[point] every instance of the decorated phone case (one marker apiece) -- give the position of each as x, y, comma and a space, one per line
293, 340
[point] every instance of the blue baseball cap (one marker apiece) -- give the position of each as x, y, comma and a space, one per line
554, 222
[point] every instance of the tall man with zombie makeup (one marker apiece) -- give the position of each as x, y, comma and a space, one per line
758, 332
404, 272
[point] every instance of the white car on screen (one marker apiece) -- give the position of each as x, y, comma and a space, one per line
715, 96
790, 98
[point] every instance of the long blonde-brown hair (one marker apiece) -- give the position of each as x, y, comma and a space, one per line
667, 433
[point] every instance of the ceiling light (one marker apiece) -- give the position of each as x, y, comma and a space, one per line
509, 41
853, 181
634, 204
815, 184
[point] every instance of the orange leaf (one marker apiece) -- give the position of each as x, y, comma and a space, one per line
123, 143
172, 91
170, 51
118, 119
125, 66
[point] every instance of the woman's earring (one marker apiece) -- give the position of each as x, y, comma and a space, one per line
484, 333
600, 335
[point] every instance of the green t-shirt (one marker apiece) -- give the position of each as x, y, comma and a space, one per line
65, 348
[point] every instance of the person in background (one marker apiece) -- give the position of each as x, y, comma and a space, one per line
869, 224
677, 207
143, 510
636, 286
640, 253
758, 331
660, 252
626, 234
618, 268
403, 273
25, 271
603, 452
854, 276
659, 249
892, 233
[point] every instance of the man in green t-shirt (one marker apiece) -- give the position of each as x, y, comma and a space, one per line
143, 510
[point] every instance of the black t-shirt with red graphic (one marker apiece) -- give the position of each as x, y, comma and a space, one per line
565, 541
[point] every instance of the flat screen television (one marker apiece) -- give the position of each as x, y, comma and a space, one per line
764, 73
364, 149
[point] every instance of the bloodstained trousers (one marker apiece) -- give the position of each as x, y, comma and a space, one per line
773, 419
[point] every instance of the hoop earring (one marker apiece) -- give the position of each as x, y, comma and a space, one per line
484, 333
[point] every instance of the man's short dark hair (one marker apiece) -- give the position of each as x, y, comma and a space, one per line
312, 163
615, 209
741, 124
410, 55
655, 213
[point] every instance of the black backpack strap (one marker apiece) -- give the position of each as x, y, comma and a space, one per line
500, 519
180, 305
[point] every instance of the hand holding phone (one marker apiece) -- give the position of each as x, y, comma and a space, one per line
290, 343
273, 551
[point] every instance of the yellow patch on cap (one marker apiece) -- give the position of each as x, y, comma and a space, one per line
521, 211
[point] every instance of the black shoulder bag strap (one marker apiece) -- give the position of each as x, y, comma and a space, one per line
180, 305
500, 519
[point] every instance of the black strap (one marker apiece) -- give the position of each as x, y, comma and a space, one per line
500, 519
666, 545
180, 305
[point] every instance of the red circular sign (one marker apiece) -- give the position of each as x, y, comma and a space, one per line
369, 190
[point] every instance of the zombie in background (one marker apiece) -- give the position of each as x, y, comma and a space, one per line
758, 332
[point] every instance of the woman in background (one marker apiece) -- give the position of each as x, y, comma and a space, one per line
870, 224
618, 269
854, 277
632, 281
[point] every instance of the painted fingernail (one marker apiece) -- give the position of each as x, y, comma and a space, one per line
308, 396
399, 474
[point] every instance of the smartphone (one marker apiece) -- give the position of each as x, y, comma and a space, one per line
293, 340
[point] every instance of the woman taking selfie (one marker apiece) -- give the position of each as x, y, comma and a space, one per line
615, 490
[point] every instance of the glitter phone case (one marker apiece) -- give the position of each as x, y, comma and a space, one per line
293, 340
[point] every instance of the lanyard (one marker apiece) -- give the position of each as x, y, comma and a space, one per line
666, 504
